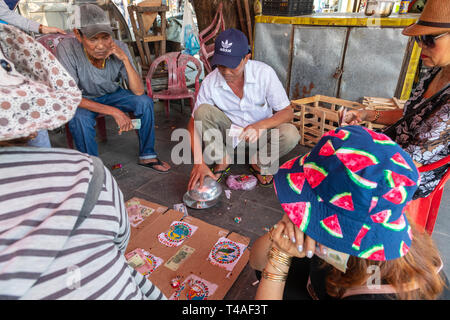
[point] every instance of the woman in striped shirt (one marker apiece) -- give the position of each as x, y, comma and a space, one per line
63, 224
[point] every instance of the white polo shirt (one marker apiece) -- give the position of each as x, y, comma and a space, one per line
263, 94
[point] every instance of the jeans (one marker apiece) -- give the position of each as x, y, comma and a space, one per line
82, 124
42, 140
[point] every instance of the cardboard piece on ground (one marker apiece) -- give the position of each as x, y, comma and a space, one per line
159, 209
202, 241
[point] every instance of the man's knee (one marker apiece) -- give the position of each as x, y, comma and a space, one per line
143, 103
289, 135
82, 118
205, 111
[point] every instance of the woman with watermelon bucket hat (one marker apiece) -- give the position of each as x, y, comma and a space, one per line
348, 195
422, 128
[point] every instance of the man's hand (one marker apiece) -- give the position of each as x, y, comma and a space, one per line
252, 132
123, 121
134, 79
198, 173
118, 52
47, 30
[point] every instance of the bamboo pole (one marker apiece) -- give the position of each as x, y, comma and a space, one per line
249, 22
241, 16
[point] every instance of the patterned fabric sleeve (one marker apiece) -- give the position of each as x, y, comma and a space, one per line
426, 135
15, 19
48, 95
148, 289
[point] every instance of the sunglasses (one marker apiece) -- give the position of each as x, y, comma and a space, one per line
428, 40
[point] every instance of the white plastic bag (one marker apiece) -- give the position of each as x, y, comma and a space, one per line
189, 31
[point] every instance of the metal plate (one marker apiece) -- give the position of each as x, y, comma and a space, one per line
272, 46
317, 54
373, 62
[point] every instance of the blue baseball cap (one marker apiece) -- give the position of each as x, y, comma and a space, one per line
231, 46
349, 193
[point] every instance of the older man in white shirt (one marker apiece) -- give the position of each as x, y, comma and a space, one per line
247, 94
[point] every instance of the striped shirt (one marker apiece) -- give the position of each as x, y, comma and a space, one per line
41, 194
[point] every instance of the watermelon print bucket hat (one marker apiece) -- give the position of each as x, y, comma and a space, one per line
349, 193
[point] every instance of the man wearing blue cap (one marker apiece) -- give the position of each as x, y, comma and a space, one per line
244, 93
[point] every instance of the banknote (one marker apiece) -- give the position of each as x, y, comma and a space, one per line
234, 132
335, 258
136, 261
136, 123
182, 254
145, 211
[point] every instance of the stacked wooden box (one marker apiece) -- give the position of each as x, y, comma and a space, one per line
375, 103
313, 116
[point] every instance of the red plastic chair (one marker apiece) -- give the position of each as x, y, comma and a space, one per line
424, 211
176, 63
207, 51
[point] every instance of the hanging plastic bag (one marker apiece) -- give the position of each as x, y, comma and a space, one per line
189, 31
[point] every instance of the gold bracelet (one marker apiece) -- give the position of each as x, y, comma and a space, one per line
273, 276
280, 260
40, 28
280, 256
277, 268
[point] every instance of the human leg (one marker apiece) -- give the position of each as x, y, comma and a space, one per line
82, 127
142, 108
214, 124
272, 145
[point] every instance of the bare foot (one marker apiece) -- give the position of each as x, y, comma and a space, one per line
263, 179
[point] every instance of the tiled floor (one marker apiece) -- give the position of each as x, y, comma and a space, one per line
258, 208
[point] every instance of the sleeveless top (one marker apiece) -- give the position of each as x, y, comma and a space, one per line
424, 131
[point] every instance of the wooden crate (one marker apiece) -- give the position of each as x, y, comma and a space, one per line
313, 116
375, 103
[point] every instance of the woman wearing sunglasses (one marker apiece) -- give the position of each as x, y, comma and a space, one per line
422, 128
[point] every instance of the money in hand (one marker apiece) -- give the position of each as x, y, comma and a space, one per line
136, 123
234, 132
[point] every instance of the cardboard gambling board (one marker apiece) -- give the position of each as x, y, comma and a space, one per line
187, 259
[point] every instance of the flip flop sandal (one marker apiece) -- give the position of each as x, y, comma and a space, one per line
152, 164
223, 173
256, 172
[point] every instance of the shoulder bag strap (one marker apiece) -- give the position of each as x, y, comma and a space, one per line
93, 192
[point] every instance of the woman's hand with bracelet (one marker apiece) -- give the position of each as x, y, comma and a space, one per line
355, 117
288, 238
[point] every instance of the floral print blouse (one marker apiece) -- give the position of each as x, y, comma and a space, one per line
425, 135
